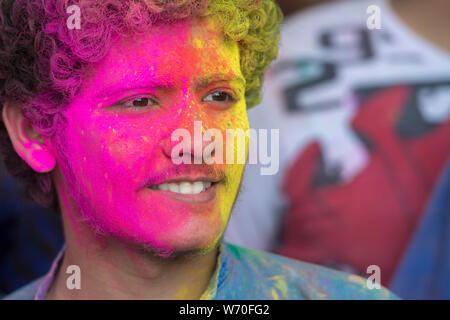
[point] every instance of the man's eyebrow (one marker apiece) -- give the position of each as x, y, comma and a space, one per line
219, 77
117, 88
154, 83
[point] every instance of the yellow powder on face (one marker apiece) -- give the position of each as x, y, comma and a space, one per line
198, 43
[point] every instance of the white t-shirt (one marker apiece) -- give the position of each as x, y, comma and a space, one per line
328, 56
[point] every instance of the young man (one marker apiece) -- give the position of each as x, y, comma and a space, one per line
91, 110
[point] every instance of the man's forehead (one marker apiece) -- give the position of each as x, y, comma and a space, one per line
154, 60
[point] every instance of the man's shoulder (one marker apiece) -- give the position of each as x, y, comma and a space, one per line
26, 292
301, 280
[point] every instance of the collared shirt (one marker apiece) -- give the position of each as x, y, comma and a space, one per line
244, 273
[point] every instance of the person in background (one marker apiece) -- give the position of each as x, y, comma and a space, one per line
364, 127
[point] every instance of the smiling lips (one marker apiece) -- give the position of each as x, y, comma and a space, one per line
183, 187
188, 189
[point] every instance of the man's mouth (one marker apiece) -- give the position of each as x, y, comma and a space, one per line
193, 187
188, 188
184, 187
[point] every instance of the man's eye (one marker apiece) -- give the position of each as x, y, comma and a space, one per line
140, 102
219, 96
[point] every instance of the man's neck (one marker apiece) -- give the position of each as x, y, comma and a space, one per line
113, 270
429, 19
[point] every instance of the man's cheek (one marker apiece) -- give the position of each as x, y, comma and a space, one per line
115, 159
129, 154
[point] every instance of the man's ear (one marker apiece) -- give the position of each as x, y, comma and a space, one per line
27, 142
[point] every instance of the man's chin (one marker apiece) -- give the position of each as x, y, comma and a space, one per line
183, 249
189, 242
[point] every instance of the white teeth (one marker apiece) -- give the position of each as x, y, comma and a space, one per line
174, 187
184, 187
163, 186
197, 187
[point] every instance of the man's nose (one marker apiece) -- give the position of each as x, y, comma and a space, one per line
189, 142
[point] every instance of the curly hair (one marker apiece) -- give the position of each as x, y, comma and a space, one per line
42, 61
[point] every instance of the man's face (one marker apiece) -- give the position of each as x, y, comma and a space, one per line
118, 138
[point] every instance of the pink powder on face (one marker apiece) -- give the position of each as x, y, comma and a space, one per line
113, 150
